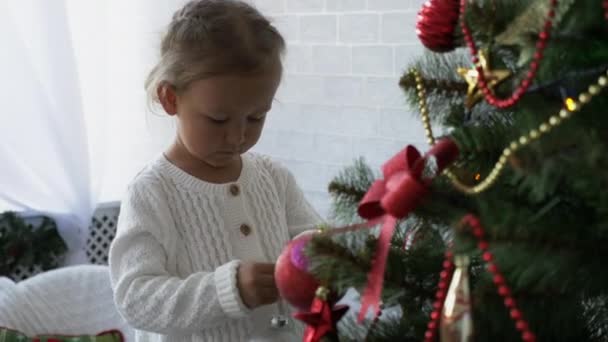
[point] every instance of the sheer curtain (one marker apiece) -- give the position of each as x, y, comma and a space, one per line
74, 128
44, 152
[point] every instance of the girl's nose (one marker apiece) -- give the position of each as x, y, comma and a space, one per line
236, 135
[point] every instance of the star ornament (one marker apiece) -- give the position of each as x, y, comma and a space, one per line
471, 76
322, 318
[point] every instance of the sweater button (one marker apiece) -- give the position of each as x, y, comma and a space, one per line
279, 321
245, 229
234, 190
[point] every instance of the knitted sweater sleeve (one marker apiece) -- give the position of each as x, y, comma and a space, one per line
301, 216
145, 293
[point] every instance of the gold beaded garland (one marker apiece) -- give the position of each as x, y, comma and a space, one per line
534, 134
554, 120
544, 127
594, 90
570, 106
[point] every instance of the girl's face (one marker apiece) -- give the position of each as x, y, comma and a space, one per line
221, 117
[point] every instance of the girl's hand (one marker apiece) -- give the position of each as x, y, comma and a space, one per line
256, 284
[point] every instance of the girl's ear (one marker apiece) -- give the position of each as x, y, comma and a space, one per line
167, 97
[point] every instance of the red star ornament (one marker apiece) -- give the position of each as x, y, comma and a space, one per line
322, 318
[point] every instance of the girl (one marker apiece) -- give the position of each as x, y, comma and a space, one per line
201, 226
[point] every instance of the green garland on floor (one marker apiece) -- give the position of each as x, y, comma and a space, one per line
22, 244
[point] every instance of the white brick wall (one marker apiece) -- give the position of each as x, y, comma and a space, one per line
340, 97
373, 60
318, 28
331, 59
359, 28
271, 6
304, 6
345, 5
399, 27
389, 5
288, 25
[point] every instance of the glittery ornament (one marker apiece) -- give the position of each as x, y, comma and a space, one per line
437, 21
296, 285
456, 317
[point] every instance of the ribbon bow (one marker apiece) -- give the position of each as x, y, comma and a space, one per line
407, 176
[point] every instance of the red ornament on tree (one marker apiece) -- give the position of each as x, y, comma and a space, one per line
437, 21
296, 285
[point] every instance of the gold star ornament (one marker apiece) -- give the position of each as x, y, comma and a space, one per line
471, 76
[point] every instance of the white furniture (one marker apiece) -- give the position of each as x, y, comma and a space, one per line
71, 300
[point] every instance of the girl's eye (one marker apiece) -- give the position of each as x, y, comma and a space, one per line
217, 121
258, 118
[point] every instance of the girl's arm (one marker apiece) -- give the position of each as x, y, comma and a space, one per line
146, 294
301, 216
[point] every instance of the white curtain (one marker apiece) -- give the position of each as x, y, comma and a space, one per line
74, 125
44, 154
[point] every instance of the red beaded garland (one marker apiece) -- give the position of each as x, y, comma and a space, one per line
503, 290
515, 314
509, 302
538, 55
499, 280
528, 337
483, 246
487, 256
446, 274
521, 325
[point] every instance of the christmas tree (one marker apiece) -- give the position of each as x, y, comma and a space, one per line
502, 226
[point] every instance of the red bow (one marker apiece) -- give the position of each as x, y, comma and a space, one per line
406, 179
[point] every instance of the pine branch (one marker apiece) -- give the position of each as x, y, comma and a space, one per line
567, 245
347, 190
343, 264
527, 24
323, 246
408, 83
567, 79
393, 329
339, 189
596, 314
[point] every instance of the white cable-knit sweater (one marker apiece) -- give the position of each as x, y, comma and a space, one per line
179, 240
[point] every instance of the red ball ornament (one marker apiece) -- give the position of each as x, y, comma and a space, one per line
296, 285
437, 21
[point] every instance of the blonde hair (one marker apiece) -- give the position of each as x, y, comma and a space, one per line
213, 37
